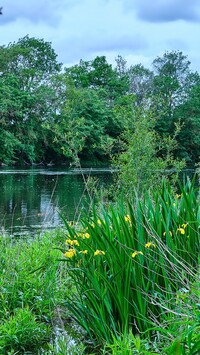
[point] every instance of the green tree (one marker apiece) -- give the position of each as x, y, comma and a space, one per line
140, 84
83, 127
93, 91
98, 74
188, 114
140, 164
173, 81
27, 98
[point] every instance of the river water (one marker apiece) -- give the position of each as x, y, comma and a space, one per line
31, 200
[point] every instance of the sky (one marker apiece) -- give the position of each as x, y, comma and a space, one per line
138, 30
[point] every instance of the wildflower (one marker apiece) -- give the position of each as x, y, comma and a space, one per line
127, 218
72, 242
92, 225
99, 222
178, 196
150, 244
99, 252
181, 230
136, 253
184, 225
170, 233
85, 235
70, 253
83, 251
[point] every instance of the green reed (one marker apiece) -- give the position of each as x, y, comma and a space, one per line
129, 262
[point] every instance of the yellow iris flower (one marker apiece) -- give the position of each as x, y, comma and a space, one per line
127, 218
70, 253
150, 244
136, 253
72, 242
99, 252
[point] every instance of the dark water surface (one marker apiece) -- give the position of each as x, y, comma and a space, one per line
31, 199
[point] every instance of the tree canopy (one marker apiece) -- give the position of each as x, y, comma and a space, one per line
52, 113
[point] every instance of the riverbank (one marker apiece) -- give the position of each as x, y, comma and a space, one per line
128, 276
34, 285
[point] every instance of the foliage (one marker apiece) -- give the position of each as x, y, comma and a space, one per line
146, 157
130, 264
49, 114
188, 139
26, 98
66, 346
140, 84
87, 126
18, 286
128, 302
31, 287
98, 74
21, 332
130, 345
173, 81
83, 127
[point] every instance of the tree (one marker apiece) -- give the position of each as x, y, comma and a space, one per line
32, 60
188, 114
98, 75
140, 84
82, 129
140, 165
172, 83
93, 91
27, 98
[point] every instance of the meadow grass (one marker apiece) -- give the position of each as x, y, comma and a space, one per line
133, 266
32, 286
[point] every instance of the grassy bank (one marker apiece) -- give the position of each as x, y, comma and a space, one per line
128, 276
33, 285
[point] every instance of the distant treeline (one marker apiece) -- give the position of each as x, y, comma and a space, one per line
53, 114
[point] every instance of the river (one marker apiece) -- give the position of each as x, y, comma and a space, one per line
32, 199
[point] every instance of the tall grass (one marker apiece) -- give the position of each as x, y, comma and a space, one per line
130, 262
32, 286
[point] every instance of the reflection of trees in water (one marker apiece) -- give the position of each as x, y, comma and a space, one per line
20, 198
70, 192
34, 199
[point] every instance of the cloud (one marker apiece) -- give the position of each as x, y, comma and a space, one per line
120, 42
76, 48
165, 10
46, 11
86, 28
175, 43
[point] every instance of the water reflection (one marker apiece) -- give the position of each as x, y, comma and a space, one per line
32, 199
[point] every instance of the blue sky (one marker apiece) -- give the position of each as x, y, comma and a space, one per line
138, 30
